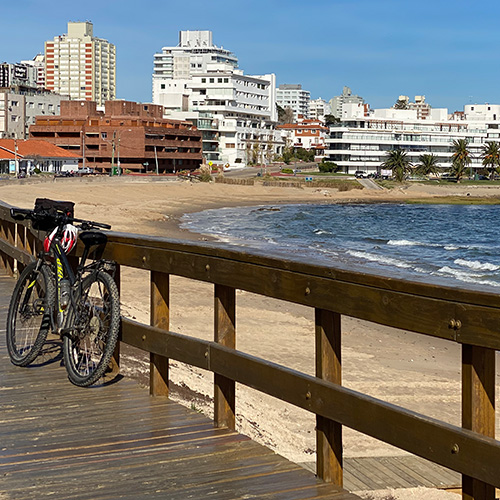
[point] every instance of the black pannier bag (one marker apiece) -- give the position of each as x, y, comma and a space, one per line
47, 212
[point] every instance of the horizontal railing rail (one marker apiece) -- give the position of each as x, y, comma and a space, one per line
467, 317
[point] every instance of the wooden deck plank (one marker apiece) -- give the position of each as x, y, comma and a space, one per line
382, 477
439, 476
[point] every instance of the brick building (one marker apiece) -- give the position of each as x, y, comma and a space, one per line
127, 135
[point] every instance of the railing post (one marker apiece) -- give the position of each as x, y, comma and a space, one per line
478, 408
328, 367
8, 231
3, 236
160, 318
225, 334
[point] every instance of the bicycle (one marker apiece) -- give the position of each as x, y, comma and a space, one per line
81, 305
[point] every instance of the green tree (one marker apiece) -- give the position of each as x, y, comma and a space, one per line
460, 158
401, 104
397, 161
328, 166
491, 157
304, 154
428, 165
331, 120
287, 155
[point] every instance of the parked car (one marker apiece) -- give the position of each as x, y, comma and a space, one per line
361, 174
448, 177
86, 170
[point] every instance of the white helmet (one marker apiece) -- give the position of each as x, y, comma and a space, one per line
68, 238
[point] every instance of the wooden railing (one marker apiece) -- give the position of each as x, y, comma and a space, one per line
467, 317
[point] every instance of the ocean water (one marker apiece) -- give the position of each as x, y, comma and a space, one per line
448, 244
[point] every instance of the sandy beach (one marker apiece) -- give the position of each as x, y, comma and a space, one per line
413, 371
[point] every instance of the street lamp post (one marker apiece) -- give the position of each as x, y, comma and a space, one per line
16, 160
118, 169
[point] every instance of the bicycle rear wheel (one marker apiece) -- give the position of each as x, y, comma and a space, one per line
28, 319
87, 351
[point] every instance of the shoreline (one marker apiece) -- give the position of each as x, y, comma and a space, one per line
403, 368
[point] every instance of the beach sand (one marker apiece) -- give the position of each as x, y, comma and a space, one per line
414, 371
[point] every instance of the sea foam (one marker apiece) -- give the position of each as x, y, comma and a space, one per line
476, 265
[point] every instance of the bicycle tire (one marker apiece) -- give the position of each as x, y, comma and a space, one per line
88, 350
28, 318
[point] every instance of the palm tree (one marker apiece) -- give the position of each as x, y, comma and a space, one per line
491, 157
428, 165
397, 161
460, 158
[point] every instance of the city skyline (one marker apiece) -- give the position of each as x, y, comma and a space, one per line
380, 49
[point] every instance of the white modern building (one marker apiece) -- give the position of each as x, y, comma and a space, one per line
235, 112
337, 103
292, 96
318, 108
80, 65
191, 56
38, 65
361, 140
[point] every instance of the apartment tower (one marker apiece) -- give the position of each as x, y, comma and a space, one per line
80, 65
191, 56
294, 97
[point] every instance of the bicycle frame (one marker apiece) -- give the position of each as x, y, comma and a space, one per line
63, 270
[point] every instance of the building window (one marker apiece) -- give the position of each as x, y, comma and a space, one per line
203, 80
212, 80
104, 135
162, 86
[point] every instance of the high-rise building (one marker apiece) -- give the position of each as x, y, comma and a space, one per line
38, 63
318, 108
337, 103
294, 97
191, 56
81, 65
236, 113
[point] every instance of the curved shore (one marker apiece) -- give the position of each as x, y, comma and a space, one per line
406, 369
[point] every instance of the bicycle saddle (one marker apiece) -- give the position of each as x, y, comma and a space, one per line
90, 238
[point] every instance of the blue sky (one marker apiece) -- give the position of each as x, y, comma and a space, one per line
447, 50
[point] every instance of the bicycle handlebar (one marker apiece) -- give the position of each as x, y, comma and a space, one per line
59, 219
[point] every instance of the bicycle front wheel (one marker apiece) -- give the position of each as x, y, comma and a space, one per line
28, 319
88, 349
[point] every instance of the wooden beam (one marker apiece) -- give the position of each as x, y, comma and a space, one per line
225, 334
422, 312
478, 408
328, 367
160, 318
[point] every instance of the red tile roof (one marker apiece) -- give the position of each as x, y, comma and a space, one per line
32, 147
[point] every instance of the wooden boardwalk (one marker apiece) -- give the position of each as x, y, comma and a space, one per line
115, 441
